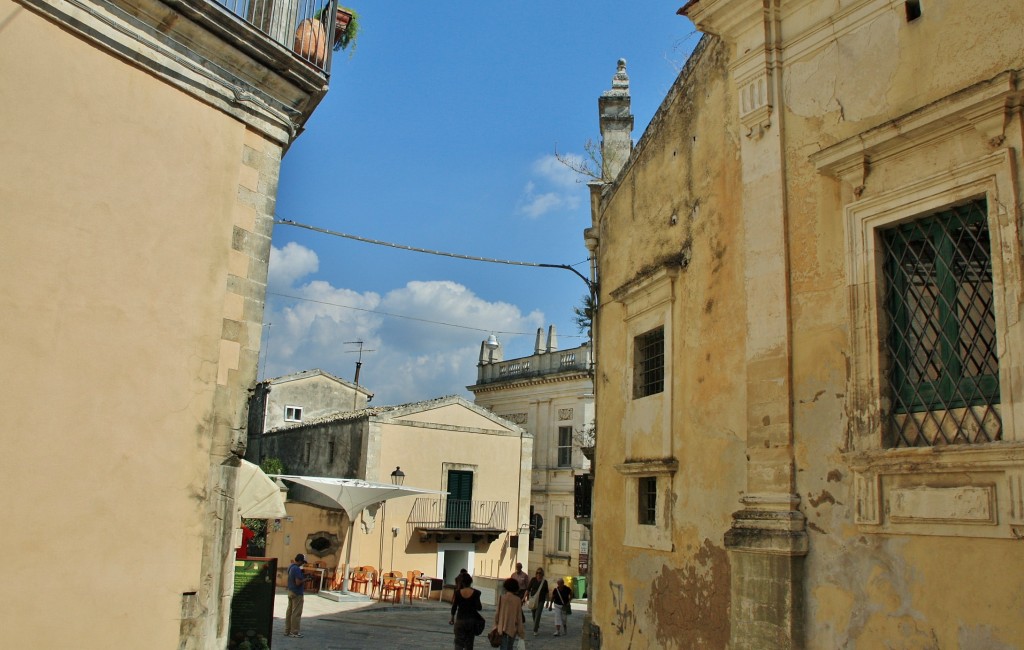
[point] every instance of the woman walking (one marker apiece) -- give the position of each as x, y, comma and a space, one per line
466, 606
536, 596
508, 620
561, 600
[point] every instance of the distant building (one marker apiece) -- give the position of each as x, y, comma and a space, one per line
140, 161
550, 394
809, 334
298, 398
445, 444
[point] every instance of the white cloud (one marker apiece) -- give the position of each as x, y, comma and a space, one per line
404, 359
554, 188
290, 263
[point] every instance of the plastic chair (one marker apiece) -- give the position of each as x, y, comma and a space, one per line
392, 585
361, 579
417, 586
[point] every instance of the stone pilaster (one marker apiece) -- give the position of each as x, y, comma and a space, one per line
767, 541
616, 124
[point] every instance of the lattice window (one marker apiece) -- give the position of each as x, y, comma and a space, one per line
943, 376
649, 355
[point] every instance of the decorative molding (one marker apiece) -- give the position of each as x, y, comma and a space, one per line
965, 504
755, 103
565, 414
517, 418
650, 467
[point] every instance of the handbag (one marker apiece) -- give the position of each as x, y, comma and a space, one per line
494, 638
479, 624
567, 609
532, 603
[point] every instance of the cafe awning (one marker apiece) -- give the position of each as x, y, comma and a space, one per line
257, 495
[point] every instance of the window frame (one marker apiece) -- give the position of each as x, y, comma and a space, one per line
292, 413
649, 363
564, 448
647, 501
562, 543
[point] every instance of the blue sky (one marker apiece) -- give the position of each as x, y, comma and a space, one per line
439, 132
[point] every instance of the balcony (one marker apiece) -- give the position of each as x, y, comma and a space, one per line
280, 20
443, 519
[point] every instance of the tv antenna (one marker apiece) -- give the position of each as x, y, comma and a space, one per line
359, 361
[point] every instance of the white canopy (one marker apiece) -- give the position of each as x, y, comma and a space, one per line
354, 494
258, 496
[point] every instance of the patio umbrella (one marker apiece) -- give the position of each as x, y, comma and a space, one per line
352, 495
258, 496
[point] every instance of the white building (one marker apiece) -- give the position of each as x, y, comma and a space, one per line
551, 395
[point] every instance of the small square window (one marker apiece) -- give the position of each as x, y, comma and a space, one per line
293, 414
649, 363
565, 446
647, 514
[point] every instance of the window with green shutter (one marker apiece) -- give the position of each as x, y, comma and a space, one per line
943, 374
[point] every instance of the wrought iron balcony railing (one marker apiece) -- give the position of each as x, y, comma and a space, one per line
441, 515
306, 27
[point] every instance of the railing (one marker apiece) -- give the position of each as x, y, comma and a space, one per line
304, 26
461, 514
536, 365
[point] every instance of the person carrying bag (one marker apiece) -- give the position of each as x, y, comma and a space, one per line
562, 597
537, 595
508, 620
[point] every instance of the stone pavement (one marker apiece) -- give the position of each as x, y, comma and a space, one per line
360, 623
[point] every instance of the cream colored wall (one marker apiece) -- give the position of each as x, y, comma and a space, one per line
422, 452
453, 415
118, 194
287, 537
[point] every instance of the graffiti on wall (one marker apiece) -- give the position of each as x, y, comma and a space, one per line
625, 619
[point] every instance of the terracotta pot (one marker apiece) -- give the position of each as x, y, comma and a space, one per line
311, 41
341, 20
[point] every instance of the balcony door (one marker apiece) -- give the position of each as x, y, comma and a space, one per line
460, 498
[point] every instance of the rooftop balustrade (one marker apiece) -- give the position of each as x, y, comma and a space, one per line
537, 365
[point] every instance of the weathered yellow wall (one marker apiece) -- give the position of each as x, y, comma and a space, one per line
907, 591
939, 585
118, 194
676, 206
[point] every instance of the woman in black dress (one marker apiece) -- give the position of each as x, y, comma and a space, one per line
466, 606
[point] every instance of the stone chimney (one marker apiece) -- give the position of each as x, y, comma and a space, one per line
616, 125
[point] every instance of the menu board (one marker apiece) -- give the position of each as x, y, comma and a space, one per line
252, 606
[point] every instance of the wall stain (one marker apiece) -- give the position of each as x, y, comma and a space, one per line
824, 497
834, 476
624, 616
690, 604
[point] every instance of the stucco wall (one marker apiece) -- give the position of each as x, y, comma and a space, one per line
123, 208
673, 208
740, 223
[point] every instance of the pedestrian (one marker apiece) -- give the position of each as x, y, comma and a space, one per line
458, 579
561, 602
508, 620
296, 593
522, 578
466, 608
537, 595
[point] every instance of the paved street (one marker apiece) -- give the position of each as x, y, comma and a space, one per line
362, 624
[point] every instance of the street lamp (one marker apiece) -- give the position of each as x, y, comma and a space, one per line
397, 478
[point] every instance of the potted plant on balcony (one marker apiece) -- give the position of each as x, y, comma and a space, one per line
311, 34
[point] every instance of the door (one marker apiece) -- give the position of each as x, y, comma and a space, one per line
460, 498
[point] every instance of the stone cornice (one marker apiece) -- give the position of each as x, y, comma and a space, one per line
520, 382
199, 48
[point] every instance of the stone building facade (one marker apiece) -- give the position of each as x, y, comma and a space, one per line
809, 334
550, 395
139, 171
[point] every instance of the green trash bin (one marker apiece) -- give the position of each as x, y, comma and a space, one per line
581, 586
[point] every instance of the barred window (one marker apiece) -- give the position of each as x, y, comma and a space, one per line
649, 370
565, 446
943, 377
647, 490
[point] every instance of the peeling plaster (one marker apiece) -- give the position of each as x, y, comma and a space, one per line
690, 605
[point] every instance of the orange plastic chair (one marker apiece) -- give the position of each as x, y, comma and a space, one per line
362, 579
417, 587
392, 585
